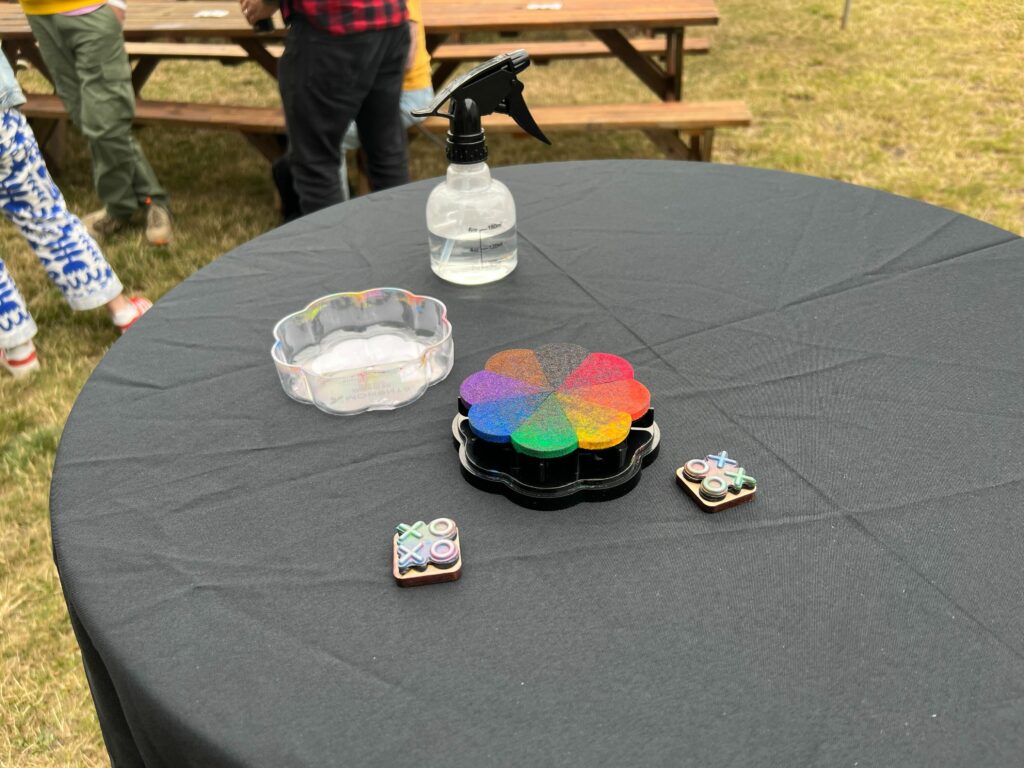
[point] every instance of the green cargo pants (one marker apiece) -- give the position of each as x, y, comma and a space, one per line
86, 58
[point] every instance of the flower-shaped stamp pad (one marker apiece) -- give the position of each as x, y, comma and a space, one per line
423, 553
551, 425
716, 482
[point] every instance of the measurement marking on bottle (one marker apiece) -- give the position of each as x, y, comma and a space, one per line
481, 248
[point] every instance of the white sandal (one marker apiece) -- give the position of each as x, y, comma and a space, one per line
125, 320
20, 361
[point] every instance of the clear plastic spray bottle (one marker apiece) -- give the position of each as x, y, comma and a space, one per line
471, 217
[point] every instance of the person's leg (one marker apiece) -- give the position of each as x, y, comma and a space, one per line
16, 324
281, 171
30, 199
17, 328
348, 144
409, 101
379, 118
148, 189
57, 54
71, 258
123, 176
323, 80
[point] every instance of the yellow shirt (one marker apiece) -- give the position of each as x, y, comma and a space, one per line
418, 77
48, 7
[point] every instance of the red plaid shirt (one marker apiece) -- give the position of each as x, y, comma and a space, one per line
346, 17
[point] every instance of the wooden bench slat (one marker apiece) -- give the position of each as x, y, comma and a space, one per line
678, 115
245, 119
248, 119
671, 115
663, 122
539, 51
559, 49
191, 50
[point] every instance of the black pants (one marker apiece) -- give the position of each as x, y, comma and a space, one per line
327, 81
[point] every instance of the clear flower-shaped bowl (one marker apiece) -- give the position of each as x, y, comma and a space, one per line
373, 350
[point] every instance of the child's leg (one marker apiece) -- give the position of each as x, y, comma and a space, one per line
16, 324
30, 199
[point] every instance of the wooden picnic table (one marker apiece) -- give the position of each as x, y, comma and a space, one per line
165, 30
607, 20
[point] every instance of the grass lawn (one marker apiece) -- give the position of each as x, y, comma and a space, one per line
919, 97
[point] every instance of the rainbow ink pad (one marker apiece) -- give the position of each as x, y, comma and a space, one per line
552, 426
716, 482
423, 553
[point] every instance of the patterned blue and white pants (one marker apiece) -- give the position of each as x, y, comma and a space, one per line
71, 258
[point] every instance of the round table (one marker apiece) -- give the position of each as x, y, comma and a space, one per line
226, 552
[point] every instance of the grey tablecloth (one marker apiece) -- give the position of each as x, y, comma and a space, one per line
225, 551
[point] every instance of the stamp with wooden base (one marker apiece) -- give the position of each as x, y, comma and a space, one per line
716, 482
424, 553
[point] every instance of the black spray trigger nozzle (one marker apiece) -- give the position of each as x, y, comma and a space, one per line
515, 107
487, 88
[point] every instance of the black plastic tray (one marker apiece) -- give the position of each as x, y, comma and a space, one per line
556, 483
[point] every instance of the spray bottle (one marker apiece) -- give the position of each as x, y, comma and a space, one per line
471, 217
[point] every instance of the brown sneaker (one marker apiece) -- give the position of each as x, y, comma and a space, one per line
158, 225
100, 225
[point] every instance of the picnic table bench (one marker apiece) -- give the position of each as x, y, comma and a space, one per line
262, 126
